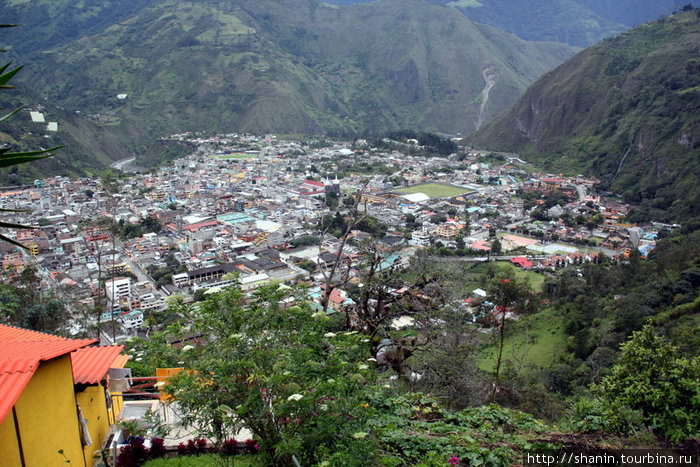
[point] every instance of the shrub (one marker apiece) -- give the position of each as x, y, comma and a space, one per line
652, 378
133, 454
229, 447
157, 448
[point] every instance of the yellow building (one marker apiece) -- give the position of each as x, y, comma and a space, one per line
91, 382
40, 420
33, 248
448, 230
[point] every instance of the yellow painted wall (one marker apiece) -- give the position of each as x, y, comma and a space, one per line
9, 450
117, 404
47, 417
94, 407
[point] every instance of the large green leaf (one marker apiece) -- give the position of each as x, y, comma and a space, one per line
15, 210
8, 159
11, 225
14, 242
6, 77
13, 158
2, 119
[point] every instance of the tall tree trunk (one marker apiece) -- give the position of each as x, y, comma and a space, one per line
497, 381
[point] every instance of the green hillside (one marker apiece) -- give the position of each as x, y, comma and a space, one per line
88, 143
576, 22
295, 66
626, 110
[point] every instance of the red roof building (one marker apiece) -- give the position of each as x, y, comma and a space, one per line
200, 225
39, 417
50, 386
21, 353
522, 261
480, 245
90, 364
311, 187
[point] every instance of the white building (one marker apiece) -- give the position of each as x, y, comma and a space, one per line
118, 288
420, 238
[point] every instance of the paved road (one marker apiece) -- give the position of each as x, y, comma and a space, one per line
135, 268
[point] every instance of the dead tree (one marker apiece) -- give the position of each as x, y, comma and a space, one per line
330, 282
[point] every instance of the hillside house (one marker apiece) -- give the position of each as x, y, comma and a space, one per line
40, 412
91, 382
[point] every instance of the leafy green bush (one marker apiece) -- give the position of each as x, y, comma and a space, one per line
594, 414
281, 372
653, 379
414, 429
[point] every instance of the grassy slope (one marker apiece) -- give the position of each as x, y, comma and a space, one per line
533, 280
639, 92
537, 341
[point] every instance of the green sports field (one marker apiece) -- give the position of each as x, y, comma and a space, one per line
435, 190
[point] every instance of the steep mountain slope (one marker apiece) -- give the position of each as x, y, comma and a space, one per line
290, 66
576, 22
88, 146
564, 21
634, 12
626, 110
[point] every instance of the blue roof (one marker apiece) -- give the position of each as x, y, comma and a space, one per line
387, 262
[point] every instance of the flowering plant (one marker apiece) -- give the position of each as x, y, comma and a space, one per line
299, 394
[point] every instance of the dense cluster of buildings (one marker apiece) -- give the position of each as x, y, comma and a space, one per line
236, 209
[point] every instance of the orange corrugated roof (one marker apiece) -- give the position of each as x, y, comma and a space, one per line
21, 352
90, 364
120, 361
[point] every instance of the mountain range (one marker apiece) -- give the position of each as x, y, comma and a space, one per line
290, 66
575, 22
626, 110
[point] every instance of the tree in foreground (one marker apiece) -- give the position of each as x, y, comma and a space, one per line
310, 393
279, 371
652, 378
509, 295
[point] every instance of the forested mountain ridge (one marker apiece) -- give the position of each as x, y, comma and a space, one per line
626, 110
288, 67
576, 22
